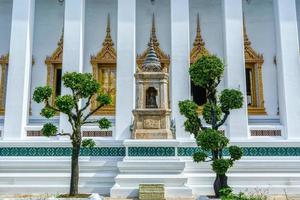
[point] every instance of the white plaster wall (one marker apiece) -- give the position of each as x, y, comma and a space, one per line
211, 24
259, 17
96, 12
298, 16
5, 22
48, 24
144, 11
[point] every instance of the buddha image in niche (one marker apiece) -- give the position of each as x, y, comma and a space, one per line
151, 94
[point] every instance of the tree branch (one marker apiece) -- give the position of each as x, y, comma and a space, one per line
51, 107
223, 120
87, 104
63, 134
90, 122
92, 112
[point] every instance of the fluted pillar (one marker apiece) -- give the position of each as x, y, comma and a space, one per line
126, 62
288, 65
73, 46
180, 50
237, 123
19, 70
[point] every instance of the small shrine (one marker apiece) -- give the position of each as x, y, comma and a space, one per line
152, 113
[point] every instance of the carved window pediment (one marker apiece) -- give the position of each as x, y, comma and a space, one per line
104, 70
254, 83
162, 56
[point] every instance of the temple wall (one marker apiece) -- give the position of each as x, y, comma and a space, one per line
5, 22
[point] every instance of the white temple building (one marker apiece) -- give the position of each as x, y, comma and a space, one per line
258, 40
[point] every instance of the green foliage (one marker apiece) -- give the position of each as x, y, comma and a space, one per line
235, 152
47, 112
210, 139
88, 143
104, 123
189, 108
221, 166
231, 99
199, 156
207, 71
65, 103
83, 84
49, 130
104, 99
207, 108
41, 94
227, 194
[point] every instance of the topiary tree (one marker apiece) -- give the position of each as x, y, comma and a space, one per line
82, 86
207, 73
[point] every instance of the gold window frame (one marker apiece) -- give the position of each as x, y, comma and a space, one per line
106, 57
254, 61
53, 63
4, 67
198, 51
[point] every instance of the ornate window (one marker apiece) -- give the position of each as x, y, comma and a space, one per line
104, 70
254, 83
199, 50
54, 69
4, 67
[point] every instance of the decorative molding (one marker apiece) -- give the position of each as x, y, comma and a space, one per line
106, 58
265, 132
4, 66
97, 133
151, 151
53, 63
162, 56
254, 62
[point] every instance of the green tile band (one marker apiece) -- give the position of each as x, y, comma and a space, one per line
151, 151
61, 151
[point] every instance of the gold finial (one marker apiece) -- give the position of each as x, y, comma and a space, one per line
199, 40
61, 39
153, 37
246, 38
108, 41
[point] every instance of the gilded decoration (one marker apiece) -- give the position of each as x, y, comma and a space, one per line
253, 63
4, 66
54, 63
198, 50
104, 70
163, 57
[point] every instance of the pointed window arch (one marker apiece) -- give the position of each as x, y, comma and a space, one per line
3, 82
104, 70
54, 69
254, 83
199, 50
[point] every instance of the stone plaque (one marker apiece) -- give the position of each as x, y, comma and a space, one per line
151, 192
151, 123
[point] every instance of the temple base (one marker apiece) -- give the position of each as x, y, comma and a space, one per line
152, 134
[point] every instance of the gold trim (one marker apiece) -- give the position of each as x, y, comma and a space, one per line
198, 50
106, 57
54, 62
254, 61
4, 65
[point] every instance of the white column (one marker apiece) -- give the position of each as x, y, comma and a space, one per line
19, 71
288, 66
126, 62
180, 59
73, 45
237, 123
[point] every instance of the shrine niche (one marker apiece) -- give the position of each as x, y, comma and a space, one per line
152, 113
199, 50
104, 70
163, 58
254, 83
3, 82
54, 69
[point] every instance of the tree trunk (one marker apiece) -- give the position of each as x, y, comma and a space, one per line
220, 183
75, 170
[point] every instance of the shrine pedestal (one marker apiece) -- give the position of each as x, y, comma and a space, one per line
152, 124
